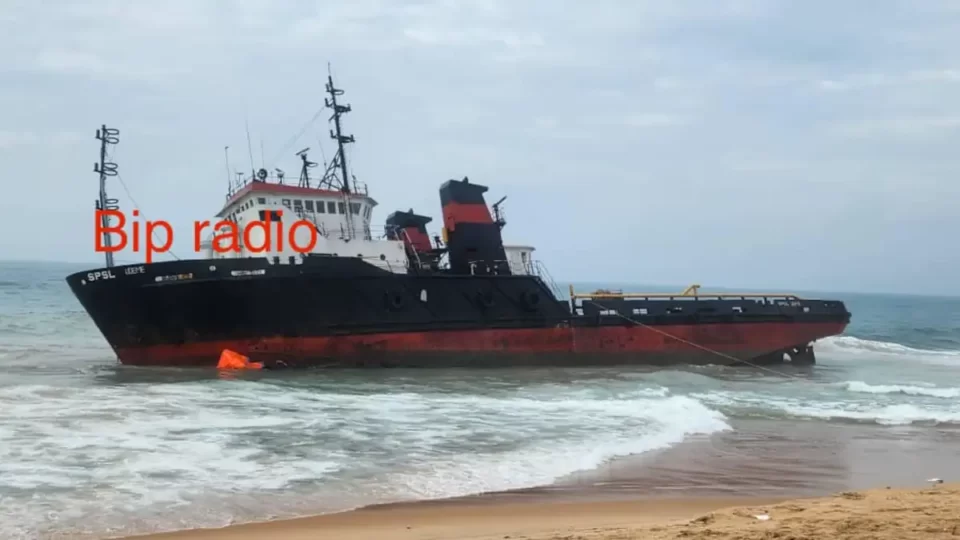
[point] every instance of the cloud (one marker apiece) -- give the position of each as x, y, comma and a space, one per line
861, 81
12, 139
645, 120
910, 127
64, 61
473, 37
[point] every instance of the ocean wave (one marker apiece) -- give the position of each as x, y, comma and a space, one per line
850, 345
149, 458
910, 390
890, 415
668, 421
777, 406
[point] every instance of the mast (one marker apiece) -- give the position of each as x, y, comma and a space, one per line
338, 136
341, 156
105, 168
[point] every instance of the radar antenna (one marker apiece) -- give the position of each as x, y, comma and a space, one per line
498, 216
106, 168
305, 168
280, 174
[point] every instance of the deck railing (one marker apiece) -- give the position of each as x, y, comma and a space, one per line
359, 188
690, 293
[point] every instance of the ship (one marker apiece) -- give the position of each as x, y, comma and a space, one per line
330, 291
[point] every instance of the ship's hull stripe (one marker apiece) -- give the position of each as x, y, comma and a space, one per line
616, 344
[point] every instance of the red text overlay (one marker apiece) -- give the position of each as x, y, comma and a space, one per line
158, 235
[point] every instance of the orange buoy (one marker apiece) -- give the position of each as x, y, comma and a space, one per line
234, 360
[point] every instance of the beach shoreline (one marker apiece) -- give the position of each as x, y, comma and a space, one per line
758, 464
904, 514
471, 517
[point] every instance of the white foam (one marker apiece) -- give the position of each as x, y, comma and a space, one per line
895, 415
910, 390
585, 435
866, 411
857, 347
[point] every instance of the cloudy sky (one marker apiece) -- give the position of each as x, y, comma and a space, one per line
757, 143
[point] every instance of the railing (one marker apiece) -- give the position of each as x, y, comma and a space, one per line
540, 270
691, 292
492, 267
531, 267
499, 214
359, 188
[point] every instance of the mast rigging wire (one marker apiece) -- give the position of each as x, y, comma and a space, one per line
123, 184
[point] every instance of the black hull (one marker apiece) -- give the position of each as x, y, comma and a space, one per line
343, 312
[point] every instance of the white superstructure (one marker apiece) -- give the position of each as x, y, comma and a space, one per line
308, 220
520, 259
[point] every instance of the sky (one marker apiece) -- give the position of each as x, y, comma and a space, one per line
807, 145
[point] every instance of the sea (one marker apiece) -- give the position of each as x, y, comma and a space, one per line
97, 450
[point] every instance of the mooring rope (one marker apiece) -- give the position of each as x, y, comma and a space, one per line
697, 345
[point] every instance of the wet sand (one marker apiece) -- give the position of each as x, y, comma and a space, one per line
761, 465
771, 458
877, 514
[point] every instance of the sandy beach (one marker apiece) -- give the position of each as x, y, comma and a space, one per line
901, 514
814, 481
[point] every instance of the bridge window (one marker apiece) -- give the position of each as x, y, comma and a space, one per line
355, 208
273, 215
261, 200
308, 205
297, 205
340, 208
286, 202
331, 207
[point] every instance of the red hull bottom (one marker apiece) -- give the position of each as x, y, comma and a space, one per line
607, 345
